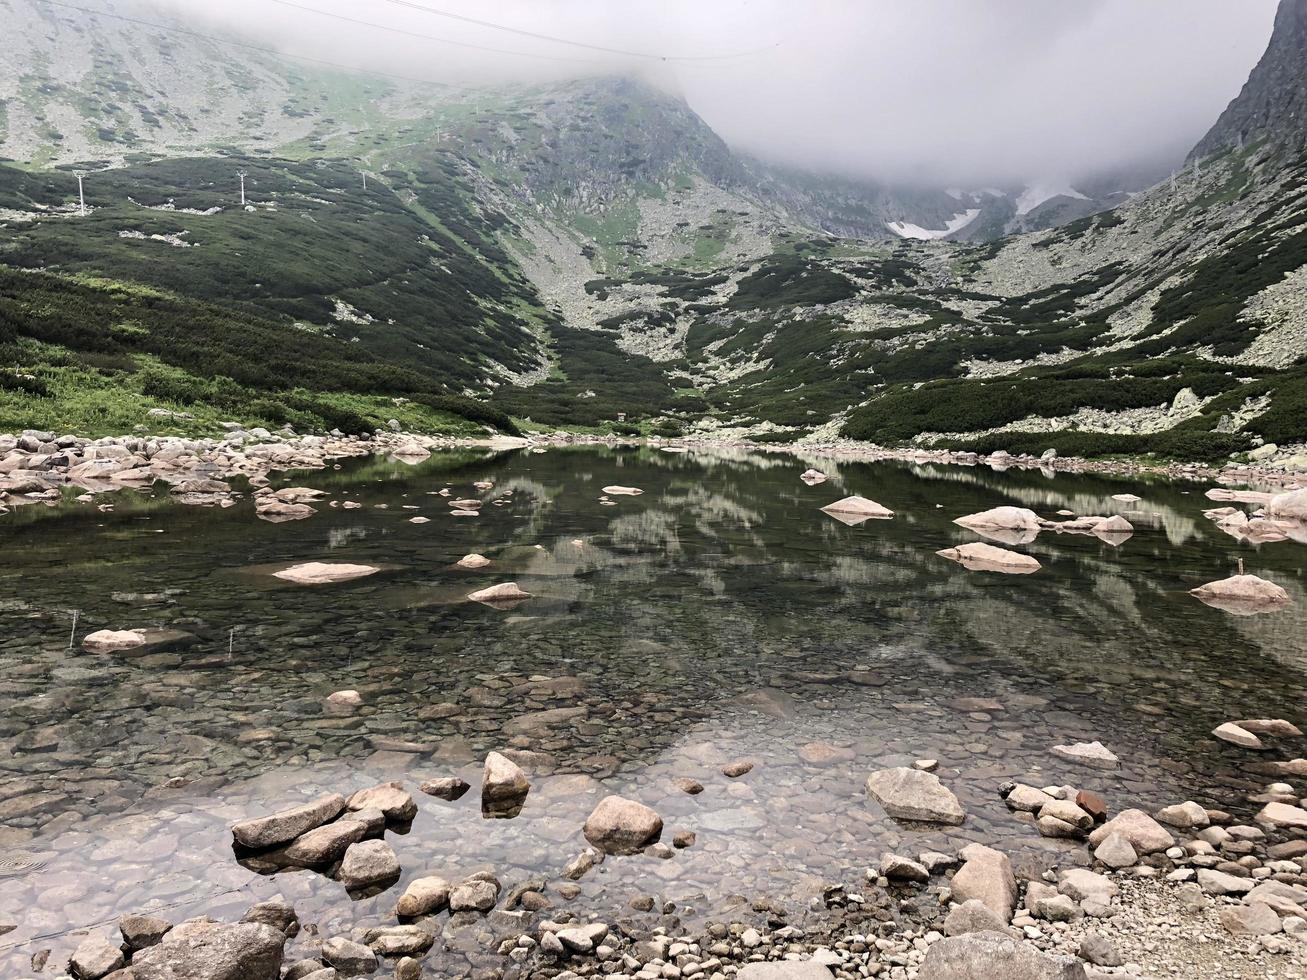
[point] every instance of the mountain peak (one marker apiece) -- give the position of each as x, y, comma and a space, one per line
1273, 102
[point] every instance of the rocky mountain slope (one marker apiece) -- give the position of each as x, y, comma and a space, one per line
1273, 103
590, 253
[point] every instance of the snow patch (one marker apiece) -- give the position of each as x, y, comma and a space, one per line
1036, 194
906, 229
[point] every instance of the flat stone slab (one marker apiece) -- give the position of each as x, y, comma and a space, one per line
324, 572
978, 557
911, 794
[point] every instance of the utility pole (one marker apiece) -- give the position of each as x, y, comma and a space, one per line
81, 197
241, 175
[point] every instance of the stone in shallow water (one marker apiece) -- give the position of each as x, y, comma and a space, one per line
1093, 754
1241, 590
621, 826
910, 794
857, 506
1283, 815
368, 864
140, 930
390, 798
1002, 519
616, 491
473, 561
505, 592
350, 958
979, 557
284, 826
446, 788
1187, 816
503, 781
423, 896
1236, 734
812, 477
108, 641
476, 894
324, 573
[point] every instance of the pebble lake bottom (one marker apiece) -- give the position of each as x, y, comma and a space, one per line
717, 616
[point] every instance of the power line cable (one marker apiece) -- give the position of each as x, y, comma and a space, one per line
576, 44
432, 37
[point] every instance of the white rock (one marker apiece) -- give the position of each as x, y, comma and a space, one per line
322, 572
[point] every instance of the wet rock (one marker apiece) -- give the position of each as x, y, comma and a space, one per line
1093, 754
213, 951
473, 561
368, 864
1027, 798
284, 826
349, 958
95, 957
475, 894
738, 768
390, 798
617, 491
988, 956
683, 839
910, 794
140, 931
972, 915
324, 573
979, 557
1067, 812
621, 826
1092, 804
986, 875
1144, 833
824, 754
408, 969
812, 477
687, 785
423, 896
446, 788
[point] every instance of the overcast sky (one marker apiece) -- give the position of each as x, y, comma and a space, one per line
965, 92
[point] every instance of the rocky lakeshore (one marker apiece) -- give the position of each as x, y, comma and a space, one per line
1185, 891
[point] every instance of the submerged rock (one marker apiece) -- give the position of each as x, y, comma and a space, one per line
979, 557
911, 794
1088, 754
322, 572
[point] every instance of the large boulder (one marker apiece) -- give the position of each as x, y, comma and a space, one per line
284, 826
1145, 834
911, 794
978, 557
213, 951
1291, 506
986, 876
990, 956
621, 826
